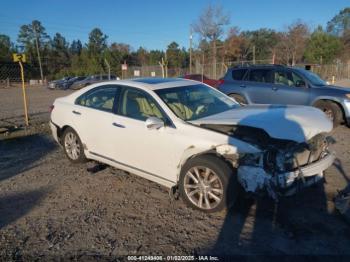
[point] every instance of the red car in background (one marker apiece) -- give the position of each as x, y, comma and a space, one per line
204, 79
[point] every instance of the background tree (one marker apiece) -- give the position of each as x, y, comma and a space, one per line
322, 47
142, 56
346, 45
96, 48
155, 56
292, 43
237, 45
76, 47
59, 56
35, 41
339, 23
173, 53
210, 26
340, 26
291, 46
5, 48
263, 41
116, 54
97, 42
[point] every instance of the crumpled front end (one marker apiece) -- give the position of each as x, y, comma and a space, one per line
284, 170
282, 166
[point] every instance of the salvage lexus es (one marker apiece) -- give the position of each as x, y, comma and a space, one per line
191, 137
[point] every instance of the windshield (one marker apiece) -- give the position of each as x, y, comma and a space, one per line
313, 78
195, 101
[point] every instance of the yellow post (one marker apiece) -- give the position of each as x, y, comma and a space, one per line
24, 95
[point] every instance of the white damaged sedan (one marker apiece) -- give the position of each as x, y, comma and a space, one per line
192, 138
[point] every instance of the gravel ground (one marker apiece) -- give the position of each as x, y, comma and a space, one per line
52, 209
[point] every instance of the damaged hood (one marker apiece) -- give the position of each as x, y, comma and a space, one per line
297, 123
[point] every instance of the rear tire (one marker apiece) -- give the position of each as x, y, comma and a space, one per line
240, 99
332, 111
208, 183
73, 148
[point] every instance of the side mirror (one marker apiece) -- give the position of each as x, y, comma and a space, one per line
154, 123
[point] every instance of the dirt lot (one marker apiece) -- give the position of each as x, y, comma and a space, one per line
51, 209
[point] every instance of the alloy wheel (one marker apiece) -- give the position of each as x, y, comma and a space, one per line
203, 187
72, 145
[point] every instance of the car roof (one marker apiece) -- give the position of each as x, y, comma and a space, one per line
153, 83
264, 66
150, 84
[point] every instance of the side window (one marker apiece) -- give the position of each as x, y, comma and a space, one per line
139, 105
297, 80
260, 75
281, 78
238, 74
289, 79
101, 98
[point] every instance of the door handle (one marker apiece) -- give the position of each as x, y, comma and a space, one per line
244, 86
76, 112
118, 125
275, 88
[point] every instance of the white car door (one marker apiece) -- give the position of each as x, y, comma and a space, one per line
153, 151
93, 115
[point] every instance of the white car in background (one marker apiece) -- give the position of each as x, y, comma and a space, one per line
188, 136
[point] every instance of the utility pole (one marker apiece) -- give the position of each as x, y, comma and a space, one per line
109, 69
38, 52
191, 50
166, 65
203, 51
253, 54
214, 58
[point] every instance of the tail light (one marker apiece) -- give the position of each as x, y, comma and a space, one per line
51, 108
221, 81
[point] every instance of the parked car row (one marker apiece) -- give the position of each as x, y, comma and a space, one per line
195, 140
78, 82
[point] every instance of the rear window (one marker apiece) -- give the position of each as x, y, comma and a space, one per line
238, 74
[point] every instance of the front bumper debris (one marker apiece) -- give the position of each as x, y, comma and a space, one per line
255, 178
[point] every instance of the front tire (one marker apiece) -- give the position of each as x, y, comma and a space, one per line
208, 183
332, 111
73, 147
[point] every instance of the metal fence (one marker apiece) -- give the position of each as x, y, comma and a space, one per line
10, 72
332, 72
337, 71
